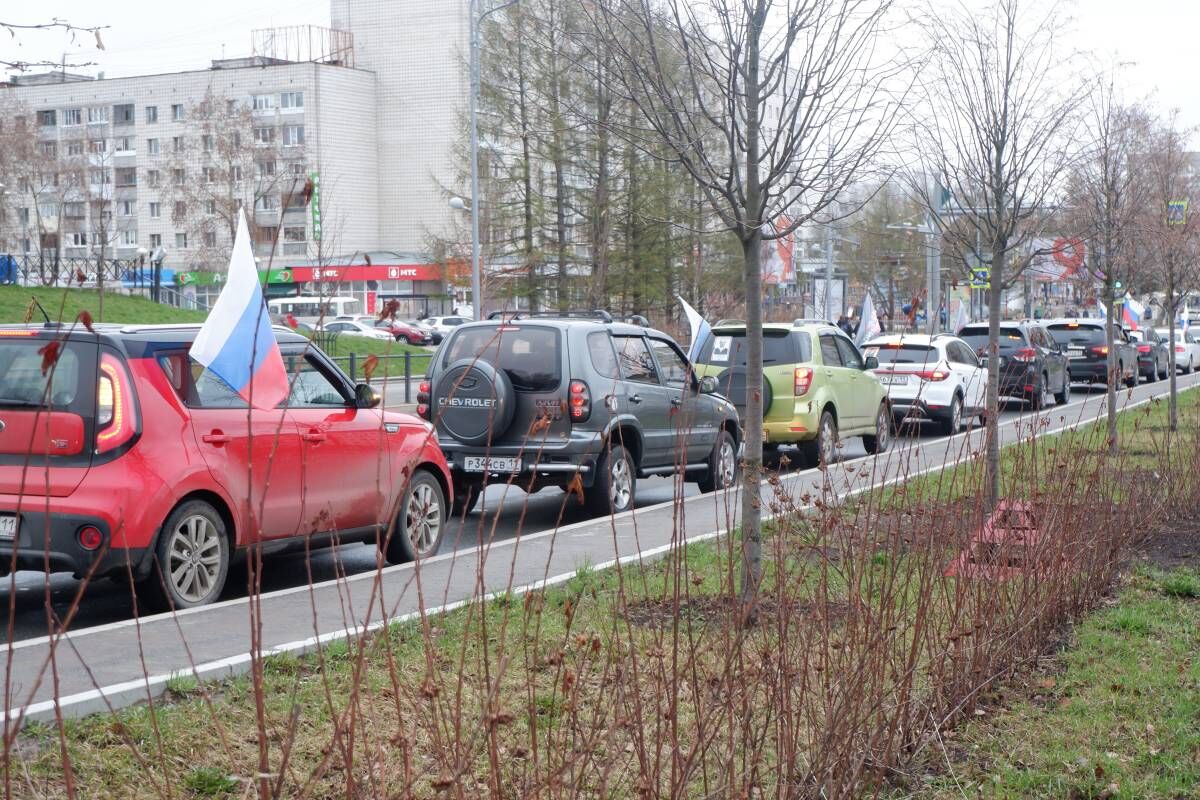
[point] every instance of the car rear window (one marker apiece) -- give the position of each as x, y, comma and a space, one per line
728, 349
23, 384
1068, 334
903, 354
530, 355
1011, 339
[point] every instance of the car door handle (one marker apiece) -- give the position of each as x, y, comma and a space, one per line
217, 437
635, 398
313, 436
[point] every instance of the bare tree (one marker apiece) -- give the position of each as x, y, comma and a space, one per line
781, 105
993, 131
1171, 233
71, 31
1107, 194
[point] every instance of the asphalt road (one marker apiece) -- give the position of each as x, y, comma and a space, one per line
105, 601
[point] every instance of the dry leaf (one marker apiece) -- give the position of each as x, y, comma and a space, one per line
49, 355
1047, 683
370, 365
85, 319
99, 41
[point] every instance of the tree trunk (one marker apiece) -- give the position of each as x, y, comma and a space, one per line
1172, 396
992, 432
598, 291
1114, 368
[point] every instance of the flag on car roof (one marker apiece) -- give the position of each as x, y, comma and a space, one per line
236, 342
1132, 311
701, 330
868, 322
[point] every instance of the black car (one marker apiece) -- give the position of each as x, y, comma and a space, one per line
575, 401
1154, 355
1087, 349
1032, 366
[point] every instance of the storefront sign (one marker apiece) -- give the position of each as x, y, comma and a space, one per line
373, 272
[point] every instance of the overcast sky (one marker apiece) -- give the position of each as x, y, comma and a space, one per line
148, 36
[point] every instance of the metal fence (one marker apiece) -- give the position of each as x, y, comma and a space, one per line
407, 369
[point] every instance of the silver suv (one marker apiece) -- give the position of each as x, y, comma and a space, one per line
575, 401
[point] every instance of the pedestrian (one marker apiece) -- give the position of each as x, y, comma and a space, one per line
844, 324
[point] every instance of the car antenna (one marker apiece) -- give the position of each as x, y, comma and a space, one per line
44, 314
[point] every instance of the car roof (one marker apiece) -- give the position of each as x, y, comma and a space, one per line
912, 338
1091, 322
563, 323
168, 332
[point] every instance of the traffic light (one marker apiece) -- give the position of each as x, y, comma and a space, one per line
1117, 285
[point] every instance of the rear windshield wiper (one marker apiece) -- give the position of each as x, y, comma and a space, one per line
20, 402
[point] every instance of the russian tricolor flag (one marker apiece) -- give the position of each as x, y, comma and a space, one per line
236, 342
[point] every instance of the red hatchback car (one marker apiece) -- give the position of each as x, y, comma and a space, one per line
117, 452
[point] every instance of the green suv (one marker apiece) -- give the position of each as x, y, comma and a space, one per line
817, 386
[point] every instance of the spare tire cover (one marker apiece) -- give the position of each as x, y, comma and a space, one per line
473, 401
733, 385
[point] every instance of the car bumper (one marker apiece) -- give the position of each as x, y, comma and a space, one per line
47, 541
916, 408
1147, 364
1089, 371
1020, 382
551, 462
801, 426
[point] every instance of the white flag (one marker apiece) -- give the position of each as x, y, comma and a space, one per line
961, 317
700, 328
868, 322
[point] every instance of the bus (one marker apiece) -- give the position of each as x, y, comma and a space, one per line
311, 309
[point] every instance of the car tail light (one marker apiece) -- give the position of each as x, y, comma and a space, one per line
801, 380
423, 400
90, 537
933, 375
18, 333
1100, 350
1144, 348
116, 419
580, 401
1025, 354
1178, 348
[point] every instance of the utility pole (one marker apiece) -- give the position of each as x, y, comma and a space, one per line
828, 270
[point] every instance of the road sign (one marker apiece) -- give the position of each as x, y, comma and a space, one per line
981, 278
1177, 212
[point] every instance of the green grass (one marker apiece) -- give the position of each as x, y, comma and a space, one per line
1123, 713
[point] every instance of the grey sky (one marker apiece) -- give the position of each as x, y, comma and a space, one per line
147, 36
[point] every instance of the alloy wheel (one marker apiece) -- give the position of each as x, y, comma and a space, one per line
194, 558
620, 484
726, 463
955, 415
883, 430
423, 518
826, 439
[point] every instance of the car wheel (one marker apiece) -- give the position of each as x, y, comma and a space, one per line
1037, 401
882, 439
1133, 379
1190, 367
1064, 397
420, 522
953, 421
192, 558
824, 448
722, 465
615, 487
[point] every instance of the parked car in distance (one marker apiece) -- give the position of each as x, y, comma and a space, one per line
1032, 366
938, 378
1187, 349
1154, 355
400, 331
129, 452
817, 386
354, 327
580, 401
435, 337
443, 325
1084, 341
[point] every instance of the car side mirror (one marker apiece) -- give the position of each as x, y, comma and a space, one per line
365, 396
709, 385
871, 362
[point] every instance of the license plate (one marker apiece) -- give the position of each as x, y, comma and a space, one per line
8, 526
1075, 351
494, 464
893, 380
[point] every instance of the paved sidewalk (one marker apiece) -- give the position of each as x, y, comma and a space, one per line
109, 664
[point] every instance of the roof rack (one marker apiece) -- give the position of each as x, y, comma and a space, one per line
597, 314
635, 319
809, 321
723, 322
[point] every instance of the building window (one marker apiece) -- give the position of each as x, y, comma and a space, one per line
49, 210
292, 101
126, 176
129, 238
123, 114
101, 177
178, 176
180, 210
293, 135
297, 168
151, 115
50, 149
153, 178
266, 169
98, 114
128, 208
155, 210
264, 135
294, 233
208, 174
177, 112
77, 239
264, 102
181, 241
235, 173
206, 141
71, 117
210, 207
177, 144
210, 239
48, 118
266, 202
123, 144
155, 240
74, 148
23, 216
152, 147
231, 107
98, 146
264, 235
73, 210
26, 244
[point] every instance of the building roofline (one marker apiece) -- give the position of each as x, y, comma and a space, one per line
14, 81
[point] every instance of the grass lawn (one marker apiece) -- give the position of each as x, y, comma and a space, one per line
1117, 714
